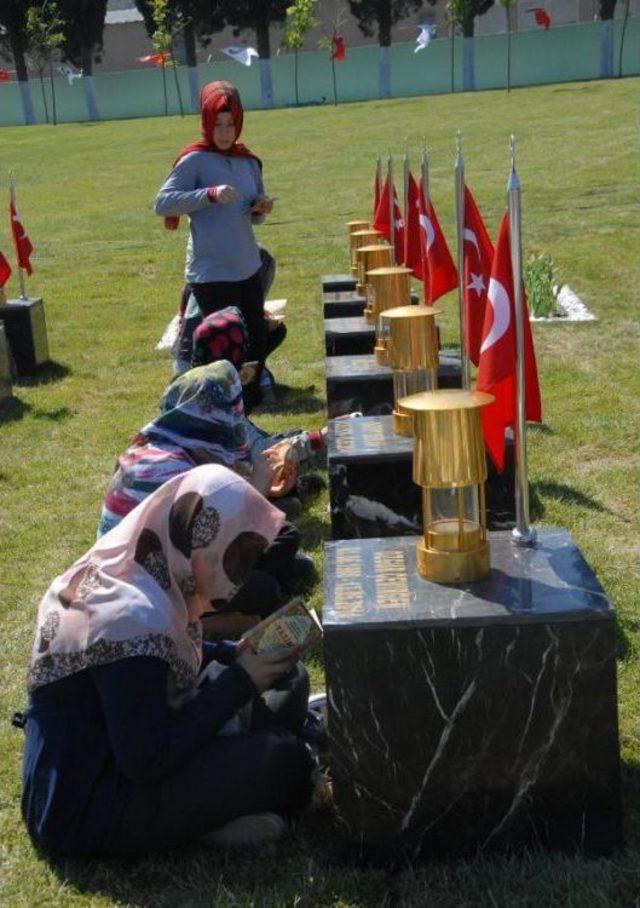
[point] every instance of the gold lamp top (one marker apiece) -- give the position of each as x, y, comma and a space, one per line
412, 339
445, 399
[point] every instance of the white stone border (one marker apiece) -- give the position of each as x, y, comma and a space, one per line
570, 308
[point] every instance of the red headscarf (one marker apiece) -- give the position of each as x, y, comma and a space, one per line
215, 97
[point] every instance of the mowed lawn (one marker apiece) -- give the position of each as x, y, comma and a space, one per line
110, 275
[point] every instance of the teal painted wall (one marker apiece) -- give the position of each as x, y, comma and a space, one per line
563, 54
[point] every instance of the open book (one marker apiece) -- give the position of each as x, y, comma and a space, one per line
292, 626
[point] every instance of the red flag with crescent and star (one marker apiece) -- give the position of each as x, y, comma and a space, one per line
412, 242
439, 273
338, 48
497, 368
381, 220
477, 258
21, 242
5, 270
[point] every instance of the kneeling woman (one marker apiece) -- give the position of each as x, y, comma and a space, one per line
110, 766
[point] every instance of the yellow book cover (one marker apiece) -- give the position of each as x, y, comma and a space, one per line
293, 626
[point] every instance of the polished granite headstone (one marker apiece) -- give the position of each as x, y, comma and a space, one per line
371, 489
357, 382
26, 332
343, 336
480, 716
5, 367
348, 303
331, 282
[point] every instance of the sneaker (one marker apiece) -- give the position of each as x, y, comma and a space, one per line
252, 829
310, 484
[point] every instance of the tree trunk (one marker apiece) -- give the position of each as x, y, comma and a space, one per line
264, 51
506, 11
295, 74
54, 112
44, 95
335, 82
174, 67
606, 49
90, 98
189, 36
452, 54
624, 29
384, 59
23, 81
468, 57
164, 89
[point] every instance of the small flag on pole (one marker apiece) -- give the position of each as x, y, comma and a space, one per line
338, 48
424, 38
477, 258
242, 55
156, 59
497, 366
412, 242
381, 220
541, 16
4, 75
21, 242
439, 273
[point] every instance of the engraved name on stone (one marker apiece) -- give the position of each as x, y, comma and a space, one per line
391, 582
348, 596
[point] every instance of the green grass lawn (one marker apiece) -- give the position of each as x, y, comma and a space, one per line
110, 276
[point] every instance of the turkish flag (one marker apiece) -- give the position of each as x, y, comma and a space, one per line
381, 220
439, 273
338, 48
412, 257
542, 17
5, 270
4, 75
21, 242
156, 59
376, 192
497, 368
477, 259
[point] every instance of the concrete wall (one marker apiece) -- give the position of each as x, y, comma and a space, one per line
563, 54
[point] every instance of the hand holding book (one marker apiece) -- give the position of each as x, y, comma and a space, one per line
290, 630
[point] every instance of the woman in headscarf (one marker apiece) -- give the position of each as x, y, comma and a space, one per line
111, 765
217, 182
201, 420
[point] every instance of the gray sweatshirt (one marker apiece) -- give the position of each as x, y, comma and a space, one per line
221, 244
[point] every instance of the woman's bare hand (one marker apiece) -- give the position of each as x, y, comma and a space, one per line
262, 205
225, 193
264, 467
265, 669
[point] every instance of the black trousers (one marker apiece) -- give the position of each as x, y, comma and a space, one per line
267, 769
248, 296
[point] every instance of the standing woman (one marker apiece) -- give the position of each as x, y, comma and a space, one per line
217, 182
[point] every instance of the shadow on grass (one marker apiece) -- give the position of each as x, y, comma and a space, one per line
567, 495
14, 409
296, 400
45, 374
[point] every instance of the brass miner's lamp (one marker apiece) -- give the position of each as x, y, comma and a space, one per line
388, 288
449, 462
412, 352
355, 225
369, 257
359, 238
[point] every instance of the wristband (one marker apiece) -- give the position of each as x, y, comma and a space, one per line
212, 193
316, 441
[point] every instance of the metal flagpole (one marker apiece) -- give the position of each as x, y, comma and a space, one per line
459, 181
523, 533
392, 225
378, 176
424, 173
405, 188
12, 192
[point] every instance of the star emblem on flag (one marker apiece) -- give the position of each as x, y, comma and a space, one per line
477, 284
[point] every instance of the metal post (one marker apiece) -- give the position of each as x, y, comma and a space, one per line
12, 192
392, 226
523, 534
405, 194
459, 181
424, 173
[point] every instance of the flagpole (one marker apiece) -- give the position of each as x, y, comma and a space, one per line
405, 187
12, 193
523, 533
378, 177
392, 225
459, 184
424, 173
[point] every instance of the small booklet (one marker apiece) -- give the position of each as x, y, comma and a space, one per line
291, 626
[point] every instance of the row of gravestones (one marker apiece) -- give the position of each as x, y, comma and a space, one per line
23, 341
461, 717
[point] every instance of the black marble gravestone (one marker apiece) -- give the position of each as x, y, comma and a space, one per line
348, 303
5, 367
332, 282
371, 489
343, 336
26, 332
359, 383
471, 717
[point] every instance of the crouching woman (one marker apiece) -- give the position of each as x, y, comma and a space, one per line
112, 764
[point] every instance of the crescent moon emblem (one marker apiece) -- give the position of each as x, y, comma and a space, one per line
501, 306
427, 226
470, 236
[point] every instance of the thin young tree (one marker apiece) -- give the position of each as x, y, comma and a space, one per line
14, 42
83, 29
301, 18
607, 12
508, 6
44, 37
462, 14
383, 15
258, 16
163, 19
337, 20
